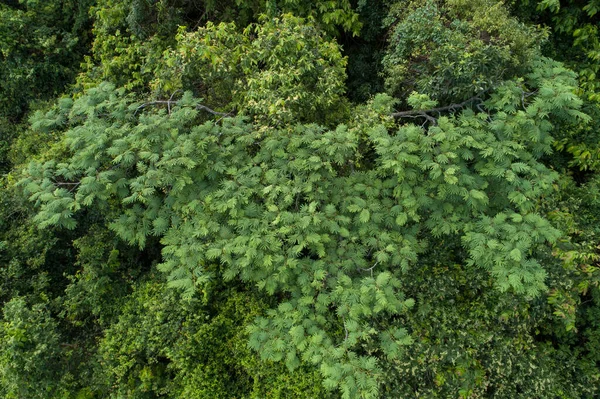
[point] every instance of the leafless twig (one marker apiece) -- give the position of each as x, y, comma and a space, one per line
345, 328
171, 99
169, 102
370, 269
425, 113
72, 185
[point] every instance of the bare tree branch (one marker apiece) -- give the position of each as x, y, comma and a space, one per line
169, 102
72, 185
345, 328
171, 99
370, 269
421, 114
425, 113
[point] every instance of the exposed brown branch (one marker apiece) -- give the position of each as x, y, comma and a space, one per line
370, 269
171, 99
72, 185
169, 102
345, 328
425, 113
421, 114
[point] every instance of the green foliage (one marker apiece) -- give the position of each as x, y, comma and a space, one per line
472, 341
574, 207
41, 45
577, 35
6, 132
334, 220
106, 271
580, 143
32, 262
163, 346
131, 36
576, 42
456, 49
366, 52
30, 358
576, 210
279, 71
330, 14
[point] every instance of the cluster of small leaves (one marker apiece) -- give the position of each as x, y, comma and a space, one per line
334, 16
453, 50
574, 205
30, 343
195, 349
107, 268
579, 143
576, 26
278, 71
574, 209
472, 341
130, 36
41, 46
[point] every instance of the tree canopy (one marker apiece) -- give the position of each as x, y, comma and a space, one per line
290, 199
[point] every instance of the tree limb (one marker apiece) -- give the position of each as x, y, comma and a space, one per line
168, 103
425, 113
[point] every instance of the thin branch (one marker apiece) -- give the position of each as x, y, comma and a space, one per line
418, 113
345, 328
171, 99
524, 95
221, 118
169, 102
205, 108
58, 183
72, 185
370, 269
